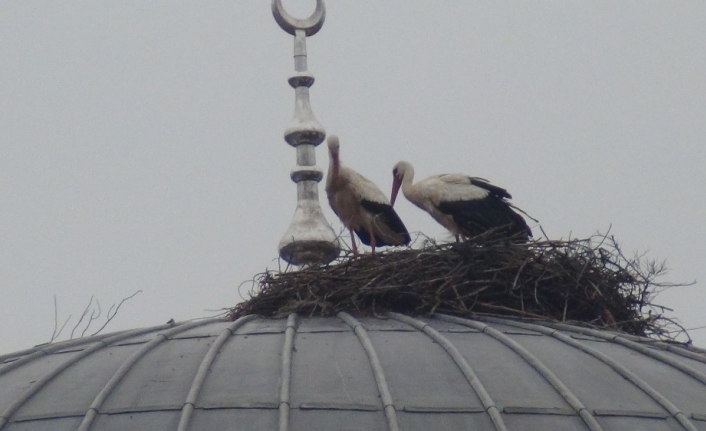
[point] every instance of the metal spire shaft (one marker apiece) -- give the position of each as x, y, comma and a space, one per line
309, 240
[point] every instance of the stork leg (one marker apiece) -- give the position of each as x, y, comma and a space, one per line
372, 242
355, 248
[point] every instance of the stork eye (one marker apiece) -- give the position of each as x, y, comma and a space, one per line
394, 172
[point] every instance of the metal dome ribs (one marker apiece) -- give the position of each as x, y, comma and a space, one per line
348, 373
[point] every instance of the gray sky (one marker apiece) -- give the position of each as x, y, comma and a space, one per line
141, 142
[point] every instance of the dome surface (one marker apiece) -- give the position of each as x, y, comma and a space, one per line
350, 373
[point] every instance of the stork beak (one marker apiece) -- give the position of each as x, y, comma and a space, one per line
396, 183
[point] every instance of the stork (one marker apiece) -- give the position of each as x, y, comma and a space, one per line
362, 207
466, 206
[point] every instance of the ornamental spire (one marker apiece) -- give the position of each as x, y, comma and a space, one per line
309, 240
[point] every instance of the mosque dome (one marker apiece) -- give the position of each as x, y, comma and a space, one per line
355, 373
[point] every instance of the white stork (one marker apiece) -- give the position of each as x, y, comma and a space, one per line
466, 206
362, 207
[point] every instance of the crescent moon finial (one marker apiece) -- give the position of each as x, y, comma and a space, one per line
290, 24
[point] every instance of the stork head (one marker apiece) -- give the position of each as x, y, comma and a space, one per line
399, 172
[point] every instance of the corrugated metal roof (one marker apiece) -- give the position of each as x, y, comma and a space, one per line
351, 373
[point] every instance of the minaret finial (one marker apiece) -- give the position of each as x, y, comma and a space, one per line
309, 239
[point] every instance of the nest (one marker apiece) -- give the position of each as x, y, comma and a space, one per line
586, 281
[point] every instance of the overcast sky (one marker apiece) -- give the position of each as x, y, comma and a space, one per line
141, 142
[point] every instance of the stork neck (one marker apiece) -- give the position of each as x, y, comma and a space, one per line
407, 181
334, 162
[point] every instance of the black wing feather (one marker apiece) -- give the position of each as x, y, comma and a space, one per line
494, 190
363, 235
388, 216
476, 216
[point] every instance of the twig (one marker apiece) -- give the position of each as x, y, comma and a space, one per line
94, 316
111, 316
56, 320
85, 311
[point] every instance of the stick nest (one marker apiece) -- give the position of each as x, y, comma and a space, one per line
585, 281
